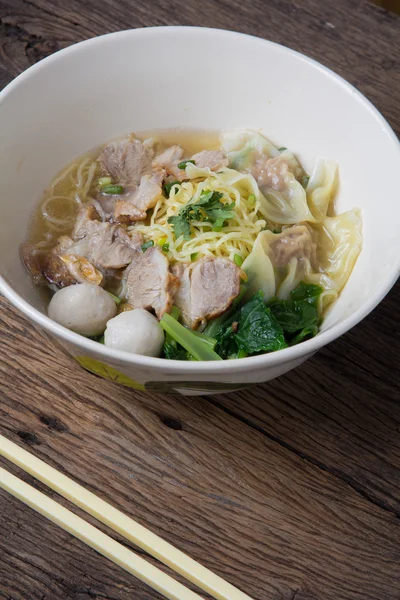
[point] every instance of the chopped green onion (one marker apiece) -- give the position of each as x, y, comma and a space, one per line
165, 247
146, 245
116, 299
112, 189
194, 344
251, 200
161, 241
168, 186
104, 181
282, 149
182, 165
305, 180
193, 256
238, 260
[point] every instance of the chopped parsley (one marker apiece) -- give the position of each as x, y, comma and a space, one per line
208, 208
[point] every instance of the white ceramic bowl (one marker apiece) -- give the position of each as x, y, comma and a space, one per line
196, 78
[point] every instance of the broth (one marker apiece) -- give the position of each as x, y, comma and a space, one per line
66, 185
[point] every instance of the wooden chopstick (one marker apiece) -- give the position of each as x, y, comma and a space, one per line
202, 577
96, 539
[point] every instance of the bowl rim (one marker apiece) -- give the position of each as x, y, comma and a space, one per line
168, 367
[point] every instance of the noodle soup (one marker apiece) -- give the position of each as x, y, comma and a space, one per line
192, 245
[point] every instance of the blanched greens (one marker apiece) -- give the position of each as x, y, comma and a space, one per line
250, 329
257, 327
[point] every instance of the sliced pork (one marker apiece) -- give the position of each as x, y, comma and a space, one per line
207, 289
168, 162
213, 159
149, 283
31, 259
125, 161
105, 245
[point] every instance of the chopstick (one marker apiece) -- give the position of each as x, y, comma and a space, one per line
96, 539
179, 562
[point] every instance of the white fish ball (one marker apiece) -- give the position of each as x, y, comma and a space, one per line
84, 308
135, 331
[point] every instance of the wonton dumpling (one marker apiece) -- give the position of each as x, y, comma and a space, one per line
339, 242
321, 187
279, 262
243, 147
275, 172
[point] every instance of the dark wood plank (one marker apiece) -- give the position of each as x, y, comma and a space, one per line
289, 490
252, 510
358, 40
341, 409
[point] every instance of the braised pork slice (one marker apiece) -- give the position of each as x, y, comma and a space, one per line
168, 162
33, 262
125, 161
213, 159
128, 162
294, 242
54, 269
105, 245
207, 289
149, 283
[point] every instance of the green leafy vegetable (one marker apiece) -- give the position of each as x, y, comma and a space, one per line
257, 327
193, 256
298, 316
182, 165
250, 330
168, 186
193, 343
97, 338
253, 328
208, 208
258, 330
116, 299
112, 189
146, 245
171, 349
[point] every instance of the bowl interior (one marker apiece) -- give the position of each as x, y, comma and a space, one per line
197, 78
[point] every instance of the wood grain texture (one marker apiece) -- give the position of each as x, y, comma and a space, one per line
290, 490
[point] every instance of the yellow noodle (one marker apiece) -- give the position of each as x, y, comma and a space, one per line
236, 237
68, 191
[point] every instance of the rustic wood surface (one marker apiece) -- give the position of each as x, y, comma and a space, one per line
290, 490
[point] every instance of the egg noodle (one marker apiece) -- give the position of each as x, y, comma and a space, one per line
66, 195
239, 233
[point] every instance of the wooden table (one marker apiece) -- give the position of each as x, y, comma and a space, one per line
290, 490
